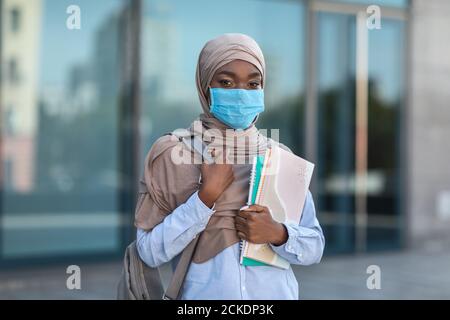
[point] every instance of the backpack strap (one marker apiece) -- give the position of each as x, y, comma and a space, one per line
173, 290
175, 284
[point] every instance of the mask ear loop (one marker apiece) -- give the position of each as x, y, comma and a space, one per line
209, 96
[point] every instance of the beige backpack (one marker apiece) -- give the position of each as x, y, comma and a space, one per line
141, 282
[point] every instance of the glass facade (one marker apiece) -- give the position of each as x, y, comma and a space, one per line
387, 3
60, 129
79, 109
173, 33
337, 128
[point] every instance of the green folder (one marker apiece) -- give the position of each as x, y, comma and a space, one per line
256, 178
248, 262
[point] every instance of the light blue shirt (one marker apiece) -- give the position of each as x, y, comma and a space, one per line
223, 277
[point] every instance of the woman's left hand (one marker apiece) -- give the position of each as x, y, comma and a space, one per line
256, 225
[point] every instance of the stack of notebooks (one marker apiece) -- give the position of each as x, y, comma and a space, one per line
280, 181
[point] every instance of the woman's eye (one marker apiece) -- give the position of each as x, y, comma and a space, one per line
254, 85
225, 83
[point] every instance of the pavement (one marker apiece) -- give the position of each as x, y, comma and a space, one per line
403, 275
419, 274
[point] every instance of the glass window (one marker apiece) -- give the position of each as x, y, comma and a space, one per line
386, 101
388, 3
61, 191
174, 32
13, 72
336, 167
336, 129
15, 19
65, 142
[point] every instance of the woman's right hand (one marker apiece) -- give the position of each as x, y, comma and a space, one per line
216, 178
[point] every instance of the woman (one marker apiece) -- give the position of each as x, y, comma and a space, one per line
175, 207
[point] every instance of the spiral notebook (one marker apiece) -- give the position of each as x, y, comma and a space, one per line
280, 181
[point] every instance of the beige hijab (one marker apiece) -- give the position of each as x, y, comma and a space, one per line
166, 185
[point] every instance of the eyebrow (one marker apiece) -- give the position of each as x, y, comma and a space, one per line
232, 74
254, 74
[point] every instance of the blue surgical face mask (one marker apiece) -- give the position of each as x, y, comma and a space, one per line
237, 108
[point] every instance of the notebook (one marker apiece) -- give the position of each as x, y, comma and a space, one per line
255, 177
279, 180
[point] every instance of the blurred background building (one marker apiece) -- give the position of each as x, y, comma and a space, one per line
79, 109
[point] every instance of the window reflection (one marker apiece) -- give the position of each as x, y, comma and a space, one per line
336, 132
386, 92
64, 109
174, 33
336, 129
59, 109
388, 3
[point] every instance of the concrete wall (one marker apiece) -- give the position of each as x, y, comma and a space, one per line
429, 123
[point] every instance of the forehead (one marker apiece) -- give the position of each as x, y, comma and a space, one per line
238, 67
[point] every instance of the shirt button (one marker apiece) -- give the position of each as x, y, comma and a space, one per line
243, 288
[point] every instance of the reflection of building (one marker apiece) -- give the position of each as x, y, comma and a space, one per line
92, 83
82, 91
406, 175
160, 62
21, 20
105, 68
